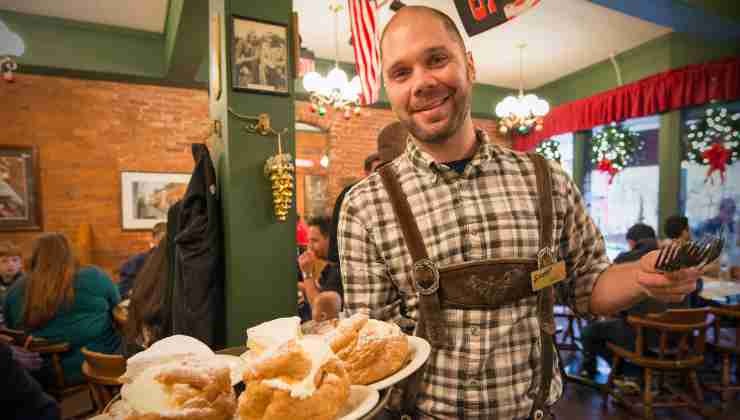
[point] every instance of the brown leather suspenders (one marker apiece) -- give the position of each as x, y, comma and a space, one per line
512, 282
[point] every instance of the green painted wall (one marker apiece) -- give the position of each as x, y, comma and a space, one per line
260, 252
664, 53
62, 44
669, 161
174, 13
725, 8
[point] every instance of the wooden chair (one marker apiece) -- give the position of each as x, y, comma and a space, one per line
53, 352
726, 347
678, 326
103, 372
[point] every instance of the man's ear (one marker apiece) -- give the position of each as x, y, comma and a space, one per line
471, 65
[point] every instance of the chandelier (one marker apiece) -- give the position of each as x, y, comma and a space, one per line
334, 90
522, 113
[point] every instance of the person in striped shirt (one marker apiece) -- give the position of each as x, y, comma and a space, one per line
472, 201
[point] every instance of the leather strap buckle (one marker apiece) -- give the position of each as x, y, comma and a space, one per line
425, 276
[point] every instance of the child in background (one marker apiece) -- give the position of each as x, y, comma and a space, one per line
11, 269
326, 306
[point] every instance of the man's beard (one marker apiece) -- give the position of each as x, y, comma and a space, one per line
460, 109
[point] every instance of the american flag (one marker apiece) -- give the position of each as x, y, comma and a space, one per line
364, 22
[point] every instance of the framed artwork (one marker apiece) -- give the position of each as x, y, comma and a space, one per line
147, 196
316, 195
259, 56
20, 203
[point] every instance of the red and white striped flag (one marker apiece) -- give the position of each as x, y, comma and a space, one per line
364, 23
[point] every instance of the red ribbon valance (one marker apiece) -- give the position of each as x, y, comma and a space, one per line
674, 89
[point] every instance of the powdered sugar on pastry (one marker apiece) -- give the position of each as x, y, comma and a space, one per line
319, 352
164, 351
377, 330
272, 334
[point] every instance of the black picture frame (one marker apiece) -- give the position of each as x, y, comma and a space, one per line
20, 189
259, 58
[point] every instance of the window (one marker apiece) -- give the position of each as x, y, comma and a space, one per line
710, 205
632, 197
566, 151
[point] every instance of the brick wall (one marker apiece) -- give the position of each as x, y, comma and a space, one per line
87, 132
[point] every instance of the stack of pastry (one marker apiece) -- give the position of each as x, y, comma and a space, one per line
370, 349
176, 378
290, 376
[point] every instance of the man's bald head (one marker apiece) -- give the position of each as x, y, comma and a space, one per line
413, 13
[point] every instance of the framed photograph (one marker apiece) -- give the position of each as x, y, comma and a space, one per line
20, 203
259, 56
147, 196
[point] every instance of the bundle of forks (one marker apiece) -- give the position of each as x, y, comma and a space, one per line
699, 254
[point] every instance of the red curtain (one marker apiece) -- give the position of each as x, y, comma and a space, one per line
688, 86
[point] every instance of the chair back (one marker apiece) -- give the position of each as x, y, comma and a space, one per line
18, 337
681, 333
103, 372
108, 367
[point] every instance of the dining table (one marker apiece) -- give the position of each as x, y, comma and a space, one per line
722, 291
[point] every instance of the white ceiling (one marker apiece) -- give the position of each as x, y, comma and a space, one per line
562, 36
145, 15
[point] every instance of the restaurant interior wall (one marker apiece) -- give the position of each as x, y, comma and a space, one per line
86, 133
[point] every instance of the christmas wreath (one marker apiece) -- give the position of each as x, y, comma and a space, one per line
550, 149
714, 141
614, 148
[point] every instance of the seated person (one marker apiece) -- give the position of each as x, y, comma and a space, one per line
60, 301
641, 240
326, 306
20, 395
318, 274
11, 269
133, 265
676, 228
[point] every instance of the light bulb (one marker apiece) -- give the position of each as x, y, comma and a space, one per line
337, 78
312, 81
324, 162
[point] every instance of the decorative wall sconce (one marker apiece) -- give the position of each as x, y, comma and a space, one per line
279, 168
7, 67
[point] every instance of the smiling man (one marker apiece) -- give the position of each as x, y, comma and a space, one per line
474, 241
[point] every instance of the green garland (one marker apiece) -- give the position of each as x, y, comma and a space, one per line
717, 126
550, 149
614, 148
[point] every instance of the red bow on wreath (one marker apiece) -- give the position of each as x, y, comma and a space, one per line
717, 156
606, 165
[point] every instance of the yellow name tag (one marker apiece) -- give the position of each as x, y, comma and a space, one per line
553, 273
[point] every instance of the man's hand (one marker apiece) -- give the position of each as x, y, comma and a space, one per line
667, 287
306, 261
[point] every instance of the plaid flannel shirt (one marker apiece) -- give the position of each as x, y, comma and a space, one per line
492, 369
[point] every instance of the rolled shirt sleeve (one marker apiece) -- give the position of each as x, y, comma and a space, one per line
581, 246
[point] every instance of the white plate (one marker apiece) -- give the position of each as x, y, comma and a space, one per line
237, 366
420, 350
361, 400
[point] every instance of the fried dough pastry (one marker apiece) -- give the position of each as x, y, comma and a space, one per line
370, 349
193, 388
300, 380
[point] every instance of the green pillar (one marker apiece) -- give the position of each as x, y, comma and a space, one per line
260, 251
580, 154
669, 160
